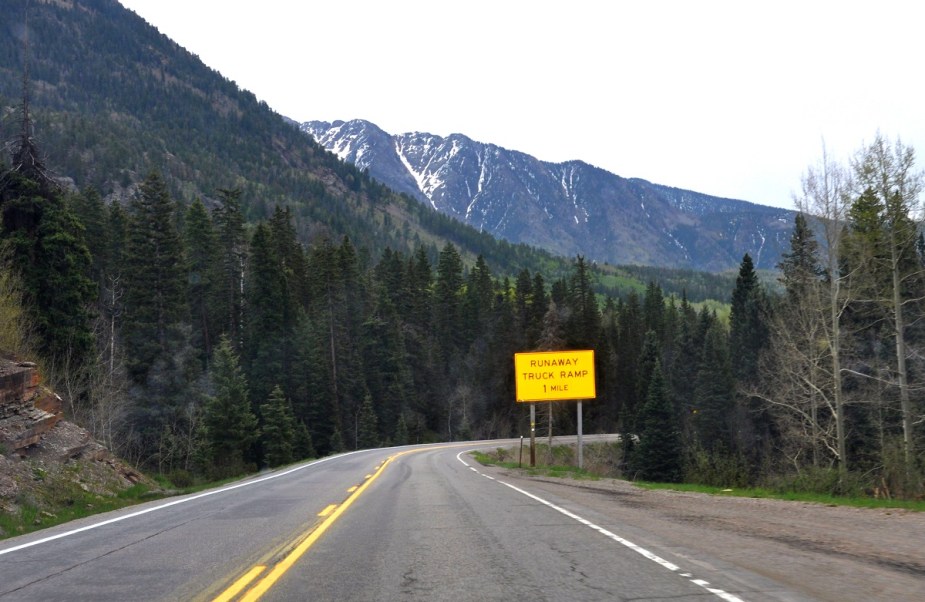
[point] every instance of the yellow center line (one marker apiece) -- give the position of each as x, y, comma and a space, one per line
286, 563
240, 584
310, 538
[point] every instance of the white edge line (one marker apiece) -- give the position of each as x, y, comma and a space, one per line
638, 549
182, 500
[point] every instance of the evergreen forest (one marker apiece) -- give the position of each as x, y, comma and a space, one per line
193, 341
210, 293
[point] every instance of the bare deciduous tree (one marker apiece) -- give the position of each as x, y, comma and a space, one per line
825, 201
889, 174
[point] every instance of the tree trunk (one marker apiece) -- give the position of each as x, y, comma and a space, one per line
901, 374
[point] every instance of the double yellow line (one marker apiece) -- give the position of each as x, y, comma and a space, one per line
332, 513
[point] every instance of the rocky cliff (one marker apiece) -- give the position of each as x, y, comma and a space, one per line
27, 410
47, 463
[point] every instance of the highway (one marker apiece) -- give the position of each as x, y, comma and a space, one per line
410, 523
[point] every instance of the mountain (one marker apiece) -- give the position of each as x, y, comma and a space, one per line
113, 99
566, 208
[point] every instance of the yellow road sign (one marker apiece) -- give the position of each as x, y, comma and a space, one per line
554, 375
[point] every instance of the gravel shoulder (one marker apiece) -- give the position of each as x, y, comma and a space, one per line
824, 552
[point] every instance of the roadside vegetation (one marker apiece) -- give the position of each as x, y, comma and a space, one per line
58, 494
604, 461
61, 494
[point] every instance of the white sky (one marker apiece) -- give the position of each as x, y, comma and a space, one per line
731, 98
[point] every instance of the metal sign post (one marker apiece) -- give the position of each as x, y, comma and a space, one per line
581, 449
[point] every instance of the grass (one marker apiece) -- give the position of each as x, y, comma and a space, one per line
563, 465
63, 505
61, 500
555, 461
817, 498
540, 470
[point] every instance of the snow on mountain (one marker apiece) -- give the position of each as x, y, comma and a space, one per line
568, 208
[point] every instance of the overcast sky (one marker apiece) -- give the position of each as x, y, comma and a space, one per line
732, 99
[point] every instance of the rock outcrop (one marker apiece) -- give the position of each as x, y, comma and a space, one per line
46, 462
27, 409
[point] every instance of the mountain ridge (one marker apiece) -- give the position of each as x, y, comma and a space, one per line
566, 208
113, 99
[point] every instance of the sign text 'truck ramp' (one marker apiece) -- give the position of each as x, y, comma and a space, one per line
554, 375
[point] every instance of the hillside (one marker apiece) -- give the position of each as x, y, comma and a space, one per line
113, 99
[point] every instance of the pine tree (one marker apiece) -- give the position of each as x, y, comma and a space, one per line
303, 447
420, 342
265, 317
391, 279
202, 260
448, 289
291, 257
419, 307
658, 455
583, 324
401, 431
749, 335
46, 246
629, 350
653, 310
336, 316
714, 393
117, 227
478, 301
388, 374
523, 292
748, 330
650, 356
539, 303
368, 428
230, 426
336, 443
314, 401
155, 281
682, 370
559, 292
90, 210
278, 433
351, 315
606, 357
63, 290
800, 268
232, 244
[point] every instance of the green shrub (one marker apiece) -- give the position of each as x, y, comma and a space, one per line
719, 468
181, 478
818, 480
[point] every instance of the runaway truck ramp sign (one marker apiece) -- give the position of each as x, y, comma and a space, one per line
554, 375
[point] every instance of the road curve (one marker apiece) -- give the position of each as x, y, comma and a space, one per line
412, 523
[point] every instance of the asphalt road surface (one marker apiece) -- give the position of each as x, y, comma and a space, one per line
410, 523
